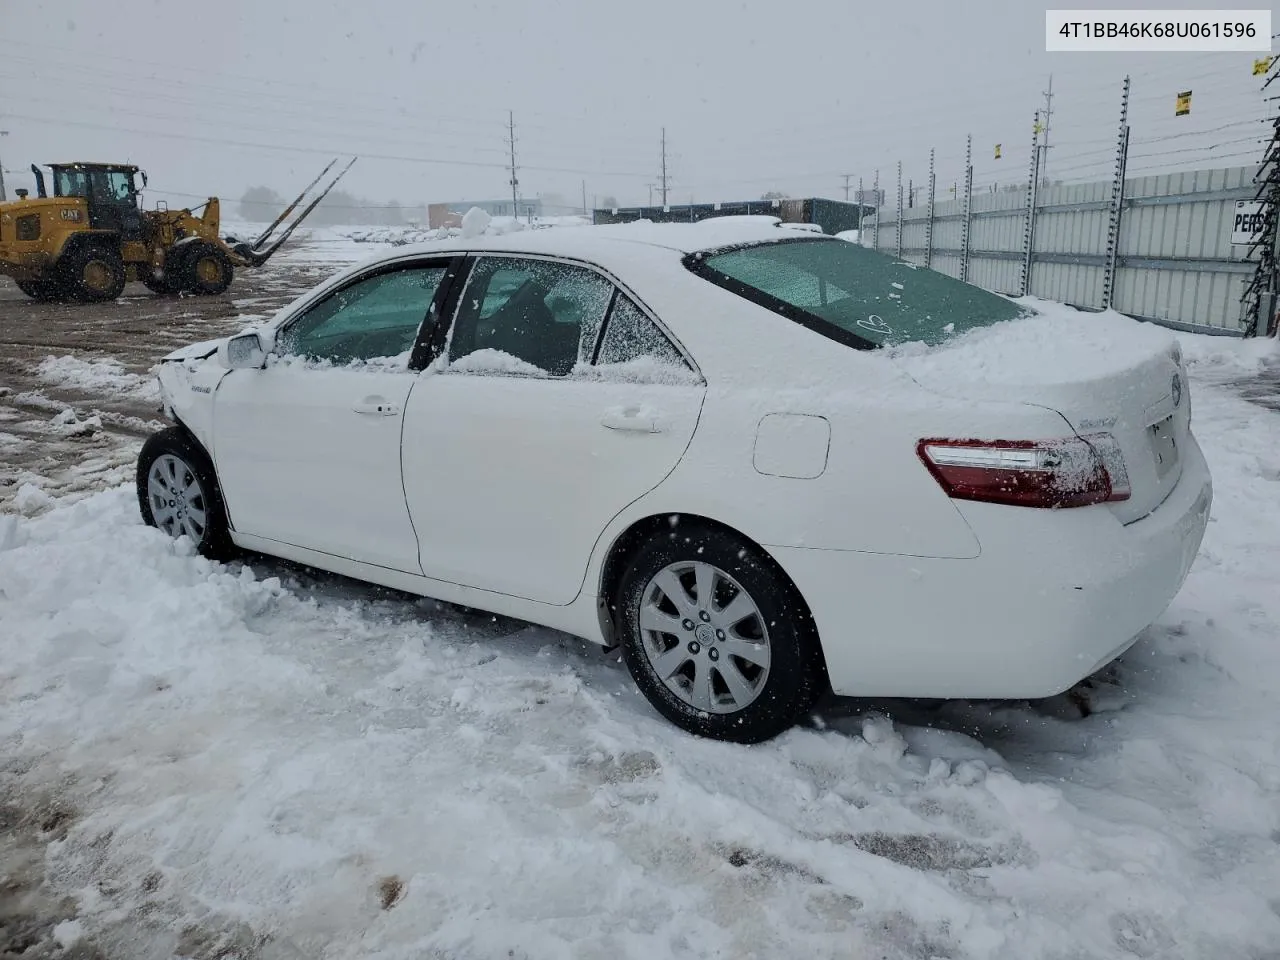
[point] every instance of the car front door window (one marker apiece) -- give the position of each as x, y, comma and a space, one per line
374, 318
526, 316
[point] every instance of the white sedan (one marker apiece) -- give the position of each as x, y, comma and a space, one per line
765, 463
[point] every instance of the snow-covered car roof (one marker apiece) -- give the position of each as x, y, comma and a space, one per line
610, 243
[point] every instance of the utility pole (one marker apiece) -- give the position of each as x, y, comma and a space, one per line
584, 198
847, 178
1048, 112
664, 166
3, 195
650, 186
511, 142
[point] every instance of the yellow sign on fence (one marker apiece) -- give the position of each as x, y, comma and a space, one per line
1262, 66
1182, 105
997, 151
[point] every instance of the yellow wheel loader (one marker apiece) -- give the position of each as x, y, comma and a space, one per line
91, 236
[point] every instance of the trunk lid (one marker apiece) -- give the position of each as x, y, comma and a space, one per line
1103, 373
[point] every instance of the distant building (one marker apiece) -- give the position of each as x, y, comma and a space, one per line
438, 213
833, 216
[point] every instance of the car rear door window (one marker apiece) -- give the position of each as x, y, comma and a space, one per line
521, 315
374, 318
631, 338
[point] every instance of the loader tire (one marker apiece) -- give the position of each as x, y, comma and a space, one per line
172, 278
162, 284
42, 291
206, 270
92, 274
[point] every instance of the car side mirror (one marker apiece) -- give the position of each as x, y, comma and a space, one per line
244, 351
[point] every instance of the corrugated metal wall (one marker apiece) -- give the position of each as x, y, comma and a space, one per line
1175, 261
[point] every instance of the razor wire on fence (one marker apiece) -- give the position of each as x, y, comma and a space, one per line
1163, 218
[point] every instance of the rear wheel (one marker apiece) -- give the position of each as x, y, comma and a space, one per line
207, 270
92, 273
716, 637
42, 290
178, 493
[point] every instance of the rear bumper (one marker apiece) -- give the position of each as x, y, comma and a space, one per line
1054, 595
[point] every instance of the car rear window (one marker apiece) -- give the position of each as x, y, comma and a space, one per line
854, 294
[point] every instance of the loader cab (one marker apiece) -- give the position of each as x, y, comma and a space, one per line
110, 192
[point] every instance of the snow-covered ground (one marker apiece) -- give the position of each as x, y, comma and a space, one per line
259, 759
345, 244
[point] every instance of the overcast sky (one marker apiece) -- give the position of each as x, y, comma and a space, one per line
754, 95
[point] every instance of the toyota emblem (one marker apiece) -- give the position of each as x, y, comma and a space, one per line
1177, 389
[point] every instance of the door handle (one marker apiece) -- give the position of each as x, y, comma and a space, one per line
376, 407
632, 419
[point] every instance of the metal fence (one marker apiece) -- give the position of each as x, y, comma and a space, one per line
1160, 251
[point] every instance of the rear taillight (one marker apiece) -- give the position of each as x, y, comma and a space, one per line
1071, 472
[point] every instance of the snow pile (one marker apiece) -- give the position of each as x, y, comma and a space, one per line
646, 369
1229, 358
474, 223
259, 753
496, 362
29, 501
394, 364
97, 375
68, 424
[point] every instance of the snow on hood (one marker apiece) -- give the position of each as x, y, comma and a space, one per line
1056, 345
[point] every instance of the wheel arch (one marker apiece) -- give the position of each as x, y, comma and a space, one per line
637, 532
181, 425
84, 239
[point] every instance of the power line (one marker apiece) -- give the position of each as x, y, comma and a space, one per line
329, 151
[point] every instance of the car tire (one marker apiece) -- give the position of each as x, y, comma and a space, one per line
737, 656
92, 273
178, 493
206, 270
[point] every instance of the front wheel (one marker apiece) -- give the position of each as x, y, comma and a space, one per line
40, 290
716, 638
207, 270
178, 493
